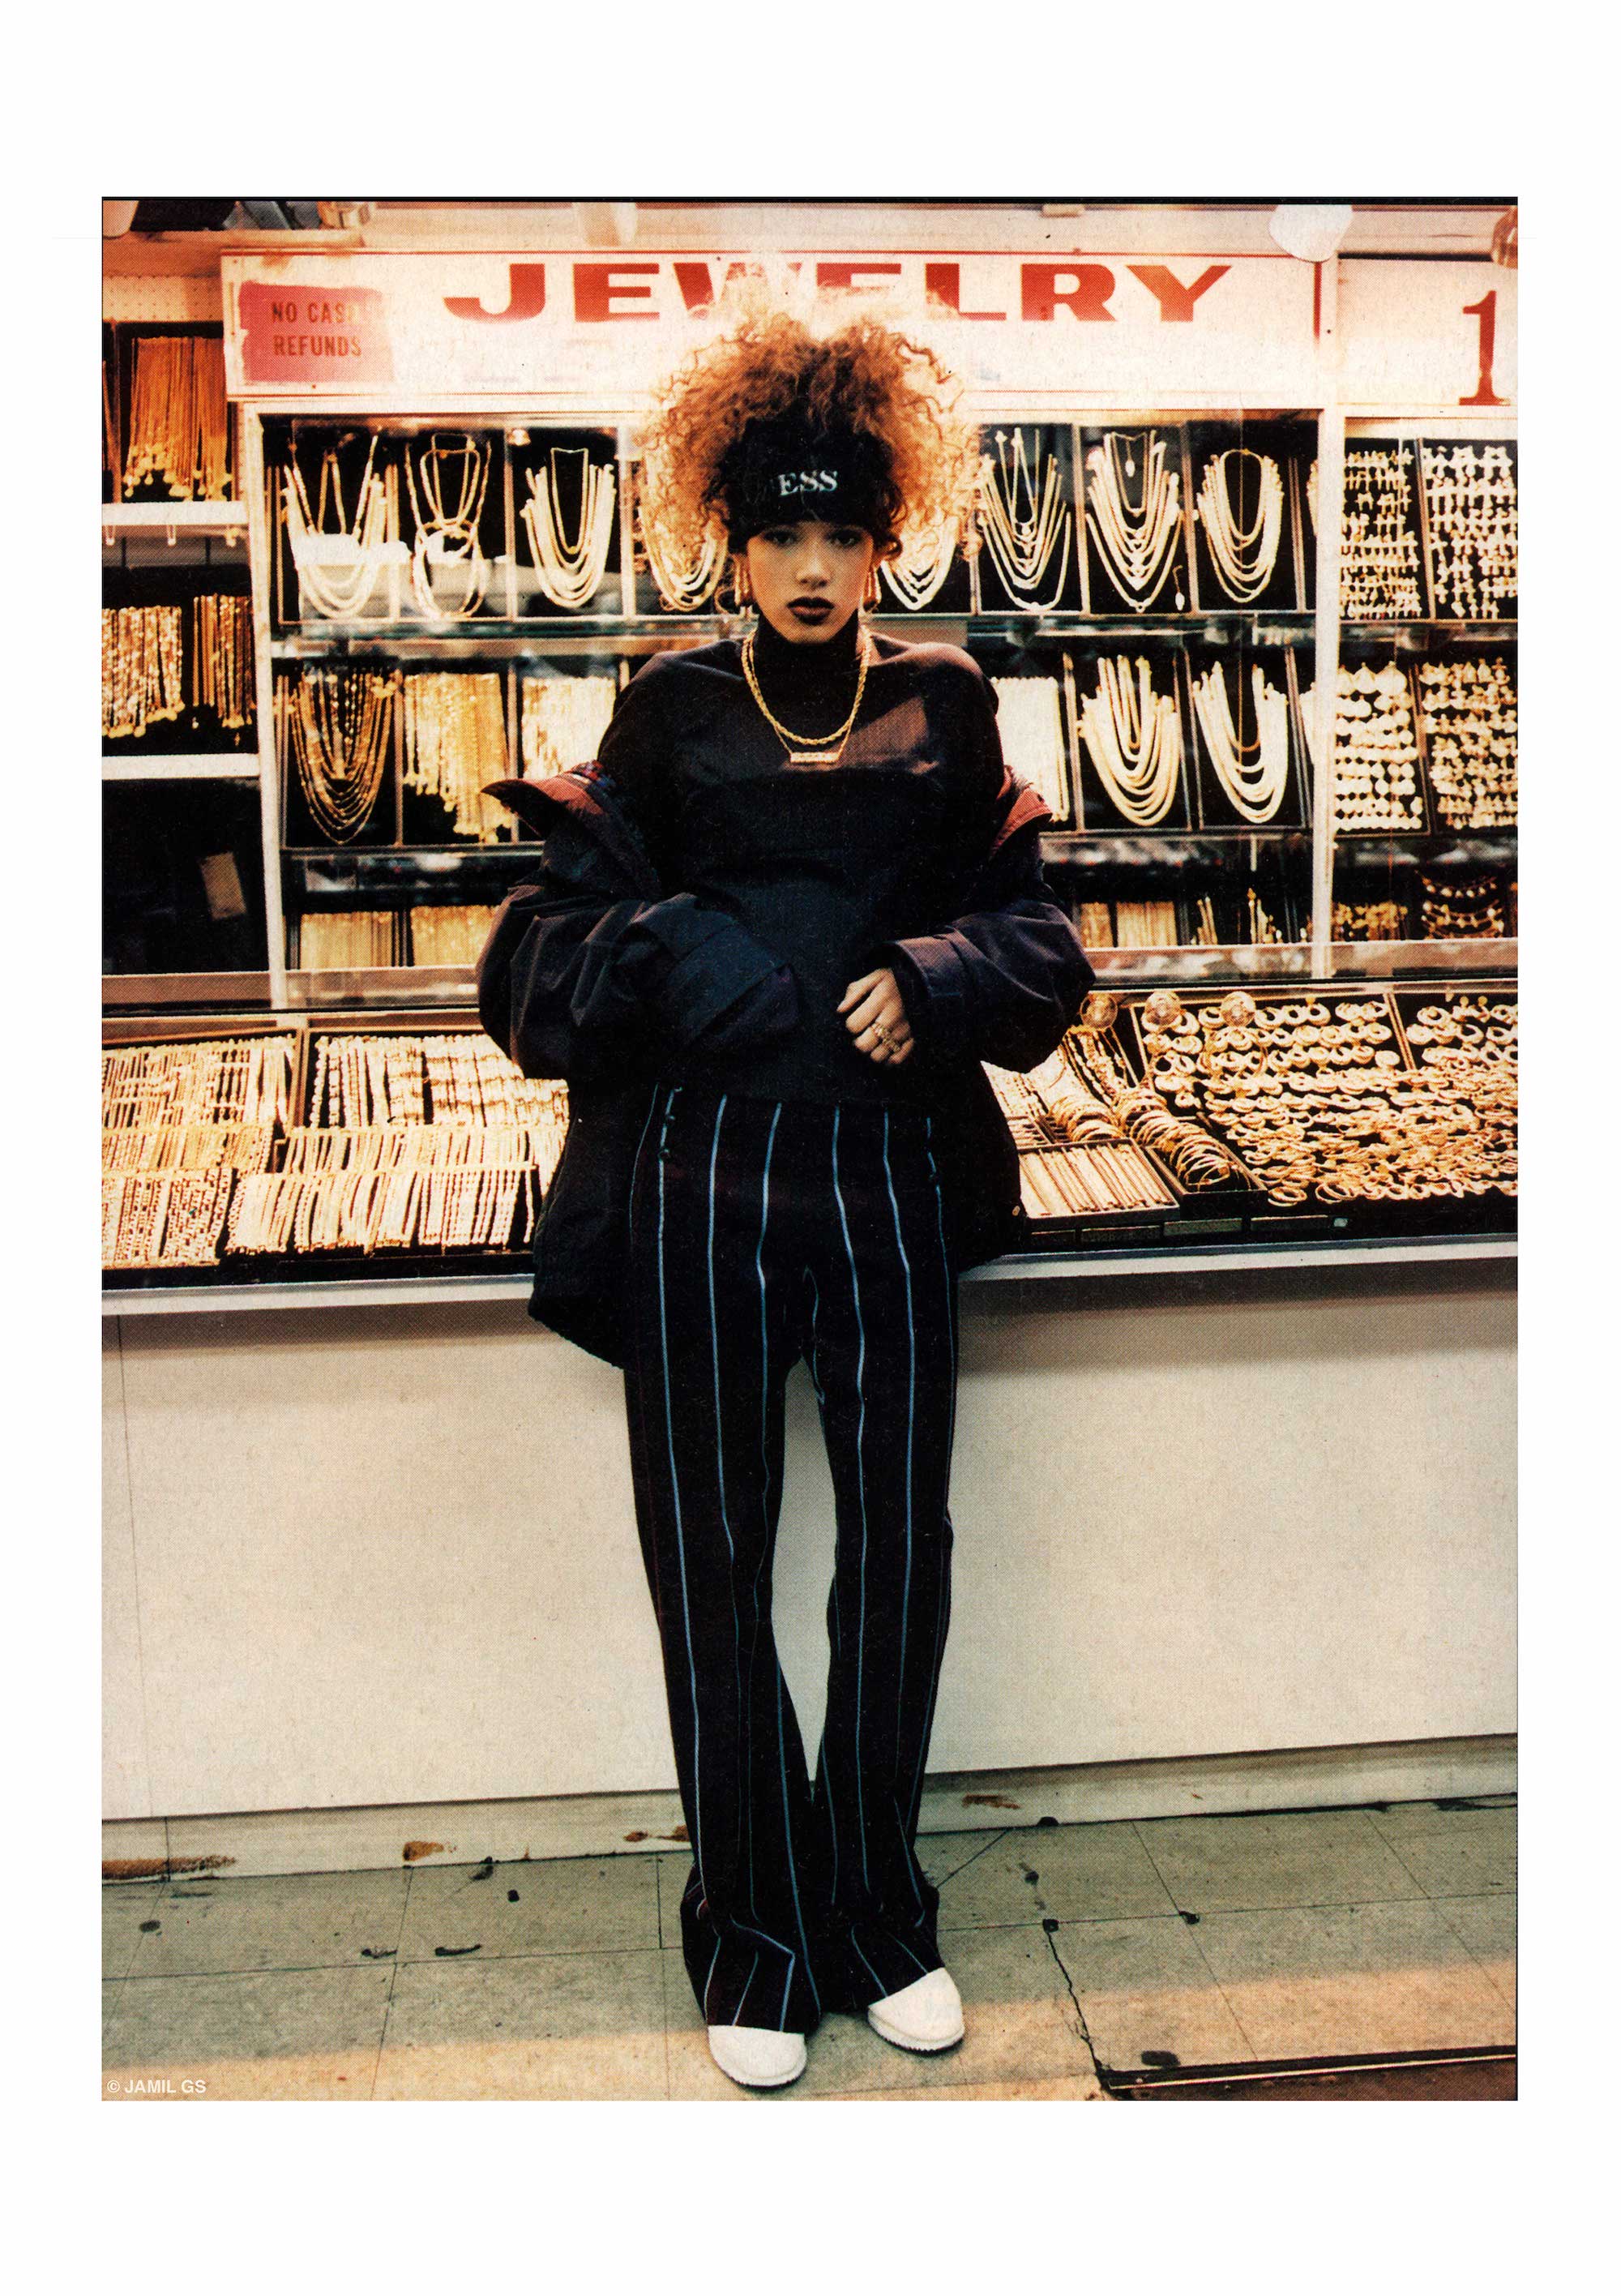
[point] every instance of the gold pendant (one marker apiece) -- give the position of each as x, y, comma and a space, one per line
803, 757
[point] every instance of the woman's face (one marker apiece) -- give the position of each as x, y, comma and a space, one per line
807, 578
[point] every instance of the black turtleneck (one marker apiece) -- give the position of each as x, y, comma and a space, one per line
822, 864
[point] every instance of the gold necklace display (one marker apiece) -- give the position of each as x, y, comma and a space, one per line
1243, 556
363, 546
143, 679
340, 726
1472, 498
455, 741
1378, 547
446, 537
1462, 908
1022, 542
1253, 778
803, 748
1132, 736
345, 940
682, 588
571, 573
918, 571
562, 722
178, 417
1031, 728
1137, 541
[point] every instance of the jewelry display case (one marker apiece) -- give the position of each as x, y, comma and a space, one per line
441, 600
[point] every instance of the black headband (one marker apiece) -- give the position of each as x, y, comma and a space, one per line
779, 472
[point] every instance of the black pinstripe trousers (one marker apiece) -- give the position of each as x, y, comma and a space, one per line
760, 1231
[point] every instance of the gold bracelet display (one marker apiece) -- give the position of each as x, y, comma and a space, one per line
142, 669
562, 722
1323, 1104
212, 1080
1472, 497
1378, 546
455, 741
1073, 1156
188, 1147
1470, 713
165, 1219
179, 418
1196, 1160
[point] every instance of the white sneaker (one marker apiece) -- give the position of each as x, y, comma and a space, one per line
757, 2056
927, 2014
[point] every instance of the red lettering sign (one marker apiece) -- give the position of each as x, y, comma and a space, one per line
526, 296
1086, 290
1176, 301
294, 334
597, 285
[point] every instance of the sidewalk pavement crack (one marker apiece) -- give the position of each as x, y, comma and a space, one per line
1049, 1927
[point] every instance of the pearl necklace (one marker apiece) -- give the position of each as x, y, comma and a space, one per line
1244, 557
1138, 544
569, 573
458, 528
1022, 548
1135, 738
1254, 786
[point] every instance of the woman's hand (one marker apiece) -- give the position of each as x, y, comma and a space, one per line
876, 1017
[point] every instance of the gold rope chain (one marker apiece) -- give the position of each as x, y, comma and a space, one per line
793, 741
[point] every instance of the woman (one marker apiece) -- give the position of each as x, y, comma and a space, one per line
785, 916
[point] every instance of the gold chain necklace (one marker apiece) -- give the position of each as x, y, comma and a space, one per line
800, 746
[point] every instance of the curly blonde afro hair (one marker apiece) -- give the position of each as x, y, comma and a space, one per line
888, 393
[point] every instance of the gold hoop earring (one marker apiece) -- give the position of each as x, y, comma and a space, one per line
742, 589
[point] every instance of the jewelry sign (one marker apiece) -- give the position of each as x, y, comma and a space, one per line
448, 327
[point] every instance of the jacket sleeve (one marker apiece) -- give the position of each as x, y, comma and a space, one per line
578, 978
1003, 981
578, 981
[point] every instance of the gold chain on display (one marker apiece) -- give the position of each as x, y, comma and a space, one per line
363, 546
682, 589
1022, 544
1470, 717
1137, 541
181, 1124
918, 571
455, 741
1472, 497
1378, 547
456, 532
350, 940
1326, 1106
562, 722
1031, 727
1254, 784
1462, 908
1132, 736
446, 934
178, 417
222, 658
571, 573
1243, 556
143, 682
339, 726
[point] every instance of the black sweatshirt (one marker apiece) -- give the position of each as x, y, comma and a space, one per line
827, 871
